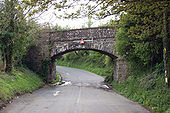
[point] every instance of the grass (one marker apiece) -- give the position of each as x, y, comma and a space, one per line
144, 87
20, 81
82, 65
149, 90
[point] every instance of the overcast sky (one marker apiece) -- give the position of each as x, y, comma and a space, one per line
49, 17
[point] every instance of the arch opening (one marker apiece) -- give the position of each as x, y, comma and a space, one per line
113, 57
70, 50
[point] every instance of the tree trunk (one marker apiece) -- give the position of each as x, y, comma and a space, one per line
9, 60
4, 61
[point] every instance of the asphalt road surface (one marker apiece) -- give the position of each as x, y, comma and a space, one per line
82, 92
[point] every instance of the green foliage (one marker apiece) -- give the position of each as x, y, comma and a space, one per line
21, 82
27, 38
57, 27
139, 41
146, 50
147, 89
44, 70
108, 61
39, 67
16, 33
109, 78
88, 60
38, 6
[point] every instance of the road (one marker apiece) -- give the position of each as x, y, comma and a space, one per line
82, 92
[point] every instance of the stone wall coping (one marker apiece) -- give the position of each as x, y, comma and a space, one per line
54, 31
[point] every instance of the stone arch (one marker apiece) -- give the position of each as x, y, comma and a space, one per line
54, 57
70, 50
101, 39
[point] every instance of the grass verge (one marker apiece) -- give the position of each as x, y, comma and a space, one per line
19, 82
148, 90
85, 66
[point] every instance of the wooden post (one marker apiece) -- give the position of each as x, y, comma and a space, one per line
166, 51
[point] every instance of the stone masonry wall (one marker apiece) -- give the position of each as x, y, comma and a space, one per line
54, 43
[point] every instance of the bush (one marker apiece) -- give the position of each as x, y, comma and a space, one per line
44, 70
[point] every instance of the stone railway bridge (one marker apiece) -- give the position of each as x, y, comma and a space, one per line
54, 43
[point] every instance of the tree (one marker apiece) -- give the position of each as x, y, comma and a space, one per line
89, 23
150, 23
152, 17
166, 45
7, 32
15, 33
136, 50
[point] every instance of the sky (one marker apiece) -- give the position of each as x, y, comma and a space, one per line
49, 17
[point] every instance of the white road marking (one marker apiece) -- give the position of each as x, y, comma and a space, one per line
86, 84
78, 99
56, 93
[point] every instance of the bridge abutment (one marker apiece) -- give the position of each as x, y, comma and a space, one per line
55, 43
52, 71
120, 70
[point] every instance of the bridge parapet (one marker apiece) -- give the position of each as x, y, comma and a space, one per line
76, 34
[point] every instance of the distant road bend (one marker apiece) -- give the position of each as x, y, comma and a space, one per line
83, 92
